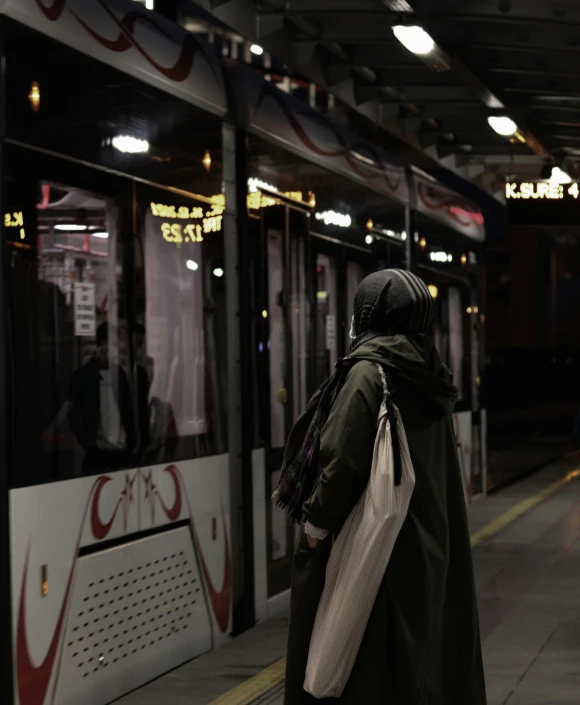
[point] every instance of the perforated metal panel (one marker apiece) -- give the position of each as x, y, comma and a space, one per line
137, 611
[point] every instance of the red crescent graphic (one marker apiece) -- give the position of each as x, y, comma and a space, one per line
100, 530
173, 513
32, 681
220, 599
54, 11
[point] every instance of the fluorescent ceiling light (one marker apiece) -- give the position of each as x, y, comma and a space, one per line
70, 227
101, 234
414, 38
256, 49
190, 264
559, 176
130, 145
440, 257
342, 220
503, 125
257, 185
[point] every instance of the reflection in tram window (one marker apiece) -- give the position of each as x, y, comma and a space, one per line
300, 315
456, 348
327, 315
84, 394
277, 341
180, 304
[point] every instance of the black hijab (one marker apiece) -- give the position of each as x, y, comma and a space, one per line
391, 302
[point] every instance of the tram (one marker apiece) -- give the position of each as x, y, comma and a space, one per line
182, 243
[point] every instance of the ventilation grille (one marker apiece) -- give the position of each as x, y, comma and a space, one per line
133, 610
137, 609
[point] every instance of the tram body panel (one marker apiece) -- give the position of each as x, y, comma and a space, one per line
59, 578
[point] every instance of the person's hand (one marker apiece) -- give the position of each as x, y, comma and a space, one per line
312, 542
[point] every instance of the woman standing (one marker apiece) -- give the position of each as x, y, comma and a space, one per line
422, 643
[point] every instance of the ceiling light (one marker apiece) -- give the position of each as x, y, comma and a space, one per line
218, 272
206, 161
342, 220
414, 38
130, 145
256, 49
34, 96
191, 265
70, 227
503, 125
440, 257
369, 239
559, 176
257, 185
101, 234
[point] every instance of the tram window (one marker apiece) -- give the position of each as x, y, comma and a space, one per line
180, 310
104, 116
73, 402
327, 317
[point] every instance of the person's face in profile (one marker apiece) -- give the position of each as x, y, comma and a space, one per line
103, 354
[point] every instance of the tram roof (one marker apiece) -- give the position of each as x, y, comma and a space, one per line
128, 37
143, 44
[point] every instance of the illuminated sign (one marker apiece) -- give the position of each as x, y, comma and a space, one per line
184, 224
257, 200
542, 203
15, 220
541, 190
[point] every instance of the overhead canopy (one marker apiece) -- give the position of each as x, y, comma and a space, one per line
518, 58
125, 35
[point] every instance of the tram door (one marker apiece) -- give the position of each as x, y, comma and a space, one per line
339, 269
284, 251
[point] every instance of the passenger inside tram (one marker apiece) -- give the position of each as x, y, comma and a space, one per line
100, 412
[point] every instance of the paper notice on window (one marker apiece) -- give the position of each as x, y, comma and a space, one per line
84, 310
330, 332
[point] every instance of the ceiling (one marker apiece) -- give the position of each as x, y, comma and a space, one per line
518, 57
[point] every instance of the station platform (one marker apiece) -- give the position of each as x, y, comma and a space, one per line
526, 542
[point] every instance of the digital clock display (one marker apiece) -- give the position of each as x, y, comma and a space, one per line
15, 220
537, 203
187, 224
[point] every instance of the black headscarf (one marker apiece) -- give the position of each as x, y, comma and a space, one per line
391, 302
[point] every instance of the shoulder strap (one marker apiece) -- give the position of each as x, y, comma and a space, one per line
384, 381
392, 417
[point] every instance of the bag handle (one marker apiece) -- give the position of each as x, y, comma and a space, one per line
392, 418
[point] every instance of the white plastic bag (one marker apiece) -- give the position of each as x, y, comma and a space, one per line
358, 562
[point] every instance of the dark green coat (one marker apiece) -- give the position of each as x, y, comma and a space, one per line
422, 643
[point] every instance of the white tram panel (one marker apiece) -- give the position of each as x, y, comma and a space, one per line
51, 523
136, 612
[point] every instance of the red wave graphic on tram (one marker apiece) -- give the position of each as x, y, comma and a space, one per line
344, 150
179, 72
54, 11
32, 682
435, 200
